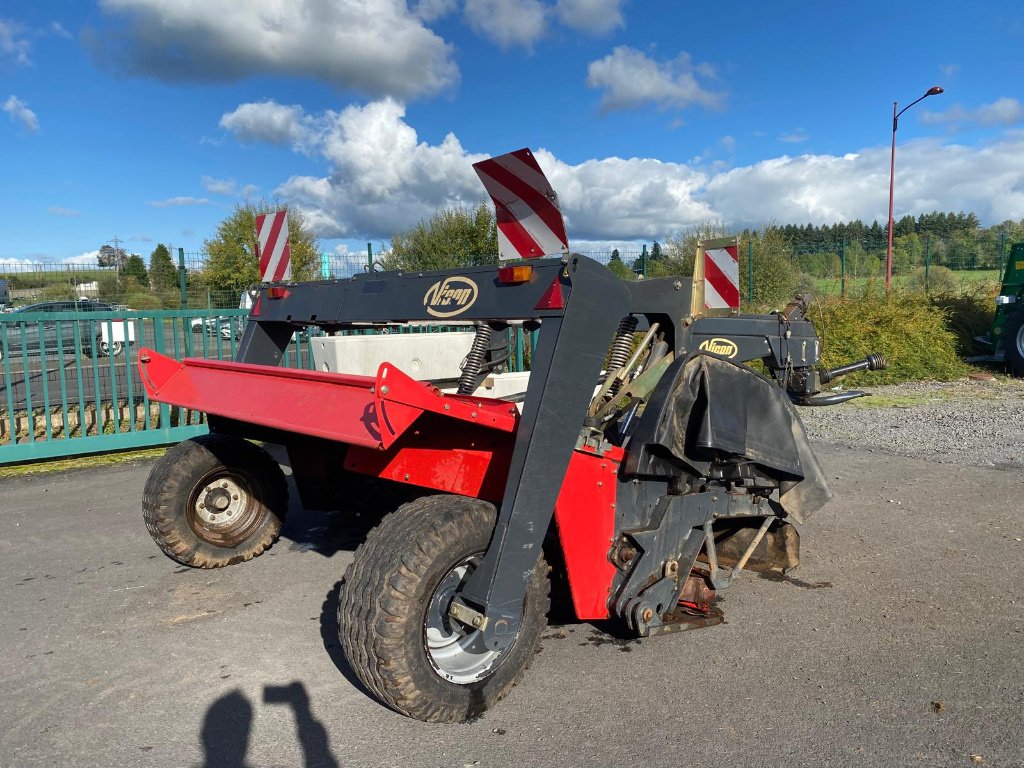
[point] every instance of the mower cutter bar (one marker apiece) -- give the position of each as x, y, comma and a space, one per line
359, 410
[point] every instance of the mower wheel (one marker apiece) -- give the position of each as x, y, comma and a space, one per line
1013, 341
214, 501
394, 626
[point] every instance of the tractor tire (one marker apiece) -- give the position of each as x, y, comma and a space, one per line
392, 613
214, 501
1013, 344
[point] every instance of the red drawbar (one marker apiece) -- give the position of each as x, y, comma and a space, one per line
585, 513
359, 410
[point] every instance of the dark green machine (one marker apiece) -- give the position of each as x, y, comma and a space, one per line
1006, 337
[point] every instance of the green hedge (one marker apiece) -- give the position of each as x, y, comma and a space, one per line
909, 329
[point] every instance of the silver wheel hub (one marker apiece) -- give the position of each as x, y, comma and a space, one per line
221, 503
456, 652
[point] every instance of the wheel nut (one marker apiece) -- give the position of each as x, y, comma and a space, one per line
234, 496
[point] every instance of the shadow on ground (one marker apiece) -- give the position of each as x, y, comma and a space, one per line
228, 725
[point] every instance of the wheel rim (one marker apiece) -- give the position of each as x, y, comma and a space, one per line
222, 509
456, 653
1020, 340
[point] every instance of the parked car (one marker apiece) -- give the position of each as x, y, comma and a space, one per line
225, 326
97, 338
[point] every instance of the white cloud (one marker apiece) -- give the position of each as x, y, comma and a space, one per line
19, 111
88, 258
219, 186
949, 69
228, 187
631, 80
174, 202
373, 46
508, 22
270, 122
12, 44
1004, 111
793, 137
380, 178
68, 213
432, 10
593, 17
57, 29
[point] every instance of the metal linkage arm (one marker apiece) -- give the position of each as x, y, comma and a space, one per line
567, 363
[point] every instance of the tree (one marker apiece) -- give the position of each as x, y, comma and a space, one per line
232, 263
681, 249
109, 256
163, 275
452, 237
136, 267
656, 254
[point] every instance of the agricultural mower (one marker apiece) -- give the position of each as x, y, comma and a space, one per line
646, 462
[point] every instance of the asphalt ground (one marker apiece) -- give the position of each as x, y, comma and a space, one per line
898, 642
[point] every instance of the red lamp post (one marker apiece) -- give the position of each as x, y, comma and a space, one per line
933, 91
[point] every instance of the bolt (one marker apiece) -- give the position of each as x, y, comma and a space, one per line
201, 505
476, 621
599, 484
406, 477
473, 414
628, 555
447, 407
234, 496
384, 389
647, 615
224, 484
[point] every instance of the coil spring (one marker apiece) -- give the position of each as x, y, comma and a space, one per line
622, 346
475, 359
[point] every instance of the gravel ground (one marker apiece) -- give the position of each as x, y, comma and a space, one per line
978, 422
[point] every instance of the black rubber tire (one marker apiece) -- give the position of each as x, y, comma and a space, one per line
1013, 344
384, 598
179, 477
96, 350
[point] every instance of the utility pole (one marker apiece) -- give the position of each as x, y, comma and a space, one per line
117, 259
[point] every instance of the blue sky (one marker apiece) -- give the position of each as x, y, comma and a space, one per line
150, 119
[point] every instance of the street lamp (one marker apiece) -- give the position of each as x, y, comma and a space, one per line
933, 91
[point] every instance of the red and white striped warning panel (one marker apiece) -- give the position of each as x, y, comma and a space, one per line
530, 224
275, 251
722, 277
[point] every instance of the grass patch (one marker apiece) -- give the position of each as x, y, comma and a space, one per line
908, 329
80, 462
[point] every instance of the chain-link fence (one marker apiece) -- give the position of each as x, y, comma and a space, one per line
769, 270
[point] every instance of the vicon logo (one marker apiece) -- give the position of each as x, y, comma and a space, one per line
722, 347
450, 297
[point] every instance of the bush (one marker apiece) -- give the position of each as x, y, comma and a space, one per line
908, 329
969, 313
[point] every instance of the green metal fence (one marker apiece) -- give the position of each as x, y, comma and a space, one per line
69, 382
